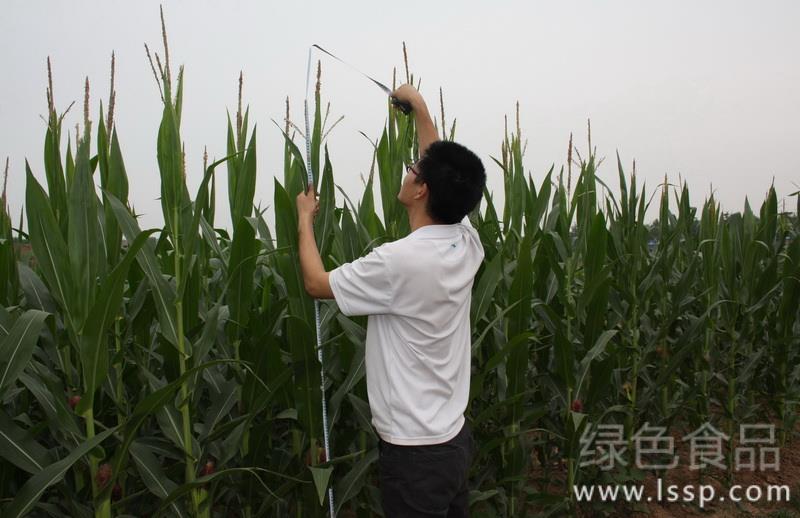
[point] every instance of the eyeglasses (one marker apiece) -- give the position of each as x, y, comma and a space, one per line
410, 169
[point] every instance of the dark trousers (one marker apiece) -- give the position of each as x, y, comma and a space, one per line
426, 481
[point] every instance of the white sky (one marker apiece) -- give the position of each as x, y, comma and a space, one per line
708, 90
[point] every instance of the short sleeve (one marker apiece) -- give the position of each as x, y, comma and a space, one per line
467, 223
364, 286
473, 232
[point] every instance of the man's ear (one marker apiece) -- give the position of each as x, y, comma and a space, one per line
420, 191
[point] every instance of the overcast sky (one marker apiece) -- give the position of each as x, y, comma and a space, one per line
706, 90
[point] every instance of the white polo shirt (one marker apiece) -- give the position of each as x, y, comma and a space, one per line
417, 292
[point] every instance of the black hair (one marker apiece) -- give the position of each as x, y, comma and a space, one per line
455, 179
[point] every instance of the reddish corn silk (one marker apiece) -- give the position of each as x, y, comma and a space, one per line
73, 401
103, 475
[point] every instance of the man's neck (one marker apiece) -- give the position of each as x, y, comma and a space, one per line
417, 217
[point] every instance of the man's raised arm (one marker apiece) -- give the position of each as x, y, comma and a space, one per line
426, 132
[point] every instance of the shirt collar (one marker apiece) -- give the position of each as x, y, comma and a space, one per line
433, 231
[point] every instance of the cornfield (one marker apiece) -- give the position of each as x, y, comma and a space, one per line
173, 371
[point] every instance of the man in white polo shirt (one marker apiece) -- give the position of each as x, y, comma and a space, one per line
417, 293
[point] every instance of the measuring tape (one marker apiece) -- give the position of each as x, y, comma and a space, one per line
310, 175
403, 106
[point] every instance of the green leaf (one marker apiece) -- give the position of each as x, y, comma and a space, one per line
50, 249
152, 474
60, 418
93, 347
221, 404
203, 481
18, 447
246, 183
294, 180
146, 407
486, 287
55, 172
163, 292
33, 489
476, 496
350, 485
169, 420
597, 349
86, 257
363, 413
306, 388
244, 251
16, 348
36, 293
321, 478
191, 234
518, 322
116, 182
174, 196
324, 221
